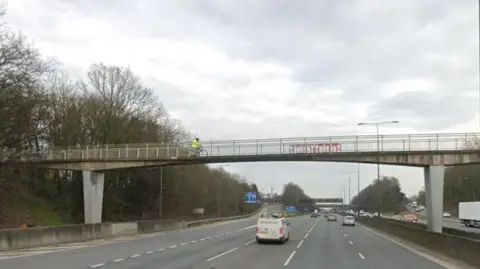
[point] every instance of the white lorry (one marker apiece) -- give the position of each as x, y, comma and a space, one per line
469, 213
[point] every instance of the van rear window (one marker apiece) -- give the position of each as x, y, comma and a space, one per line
268, 222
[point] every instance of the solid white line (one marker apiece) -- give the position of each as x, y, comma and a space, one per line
361, 256
174, 246
350, 242
119, 260
289, 258
249, 242
160, 249
300, 244
149, 252
134, 256
221, 254
97, 265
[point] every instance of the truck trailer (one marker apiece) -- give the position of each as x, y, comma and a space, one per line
469, 213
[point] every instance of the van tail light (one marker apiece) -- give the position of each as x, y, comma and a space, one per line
281, 230
256, 230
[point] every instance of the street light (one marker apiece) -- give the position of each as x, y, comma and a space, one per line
377, 124
220, 167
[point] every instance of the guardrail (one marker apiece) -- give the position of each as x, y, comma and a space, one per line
457, 247
213, 220
299, 145
11, 239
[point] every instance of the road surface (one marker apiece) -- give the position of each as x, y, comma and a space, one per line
314, 243
447, 222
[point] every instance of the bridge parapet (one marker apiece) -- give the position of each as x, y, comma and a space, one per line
283, 146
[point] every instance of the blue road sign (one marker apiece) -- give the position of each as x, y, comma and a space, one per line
250, 197
290, 209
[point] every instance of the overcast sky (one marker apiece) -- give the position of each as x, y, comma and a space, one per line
280, 68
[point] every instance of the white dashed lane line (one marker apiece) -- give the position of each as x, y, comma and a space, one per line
249, 242
222, 254
350, 242
300, 244
181, 244
361, 256
290, 258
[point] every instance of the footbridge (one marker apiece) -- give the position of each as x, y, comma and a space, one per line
408, 149
431, 151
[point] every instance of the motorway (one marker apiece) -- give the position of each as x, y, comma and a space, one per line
314, 243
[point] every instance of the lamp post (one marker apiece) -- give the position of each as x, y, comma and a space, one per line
160, 195
377, 124
220, 167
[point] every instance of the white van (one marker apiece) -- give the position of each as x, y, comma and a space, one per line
272, 229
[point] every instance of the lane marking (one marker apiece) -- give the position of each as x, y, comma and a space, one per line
341, 230
350, 242
221, 254
174, 246
345, 235
300, 244
183, 244
306, 235
289, 258
149, 252
119, 260
361, 256
249, 242
208, 237
134, 256
193, 241
97, 265
160, 249
203, 239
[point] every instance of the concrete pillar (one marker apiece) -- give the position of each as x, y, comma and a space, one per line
434, 176
93, 196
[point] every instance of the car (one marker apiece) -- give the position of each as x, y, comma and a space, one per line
332, 217
446, 215
272, 229
410, 218
348, 221
314, 215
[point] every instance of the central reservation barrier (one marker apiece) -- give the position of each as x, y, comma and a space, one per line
457, 247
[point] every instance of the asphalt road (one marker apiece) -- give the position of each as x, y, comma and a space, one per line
448, 222
314, 243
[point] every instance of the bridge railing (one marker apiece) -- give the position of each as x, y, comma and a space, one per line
306, 145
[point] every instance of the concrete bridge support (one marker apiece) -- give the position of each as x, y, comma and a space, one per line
93, 196
434, 178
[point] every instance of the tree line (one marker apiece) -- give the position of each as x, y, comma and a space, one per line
42, 107
461, 184
384, 195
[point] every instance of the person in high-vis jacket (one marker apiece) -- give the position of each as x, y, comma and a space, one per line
196, 144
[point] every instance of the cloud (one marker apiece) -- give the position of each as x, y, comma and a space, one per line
277, 68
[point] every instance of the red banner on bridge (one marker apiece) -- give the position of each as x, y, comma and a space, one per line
315, 148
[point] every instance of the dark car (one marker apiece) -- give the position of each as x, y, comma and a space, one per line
314, 215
